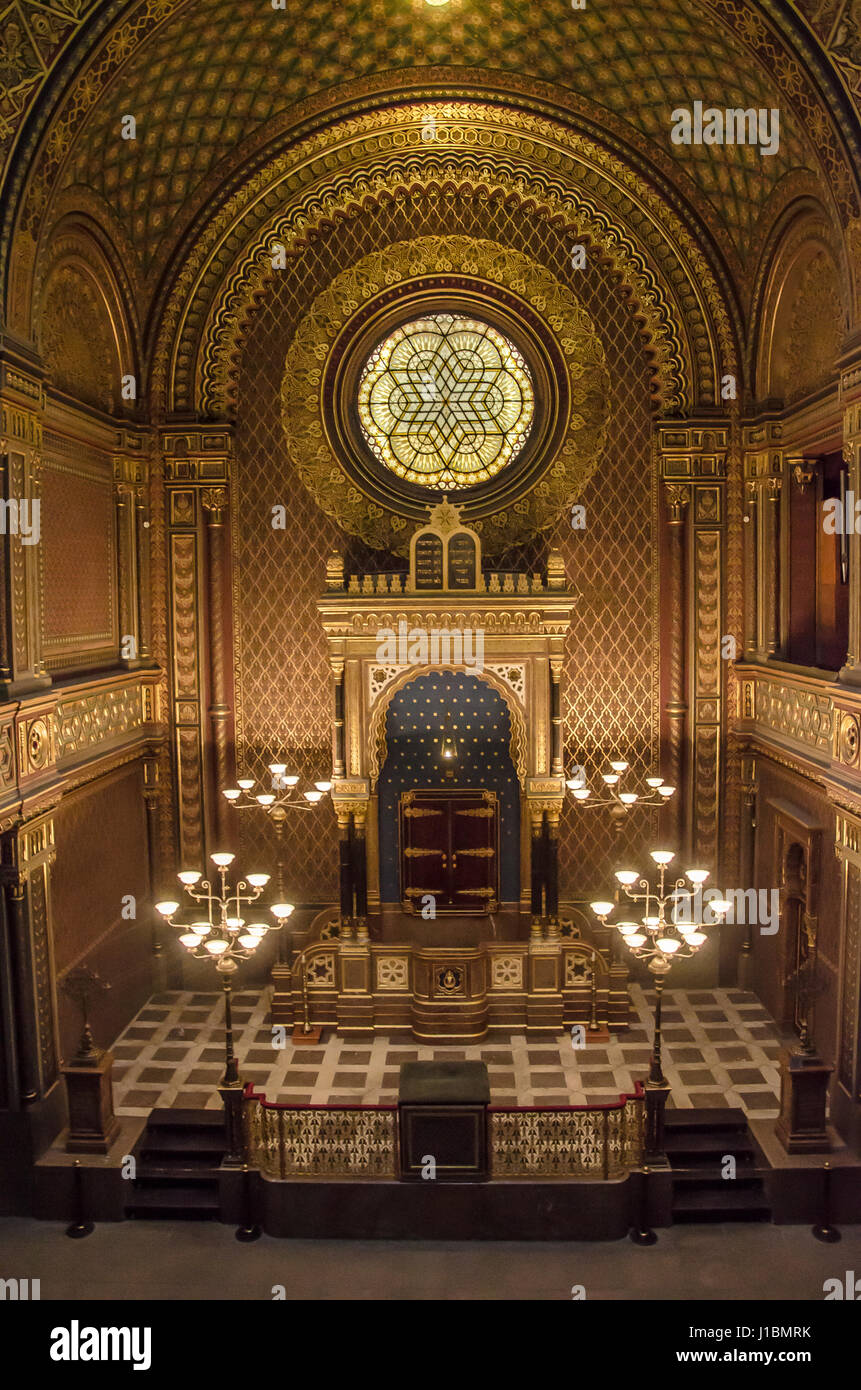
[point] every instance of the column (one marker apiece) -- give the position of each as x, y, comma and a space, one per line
214, 501
21, 667
556, 750
537, 870
360, 874
27, 856
851, 671
676, 707
771, 560
340, 768
127, 493
751, 559
151, 793
552, 848
346, 872
744, 977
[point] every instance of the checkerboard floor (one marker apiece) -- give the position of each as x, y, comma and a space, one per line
720, 1049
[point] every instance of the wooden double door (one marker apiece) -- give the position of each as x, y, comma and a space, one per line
449, 850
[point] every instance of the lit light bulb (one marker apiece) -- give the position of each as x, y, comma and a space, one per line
249, 942
282, 911
188, 877
666, 791
291, 780
651, 922
602, 909
216, 947
619, 767
654, 782
626, 928
697, 875
234, 923
720, 906
190, 941
167, 909
696, 938
668, 944
259, 929
277, 769
627, 798
663, 856
611, 778
265, 798
258, 880
201, 928
636, 938
246, 783
626, 877
313, 797
222, 859
323, 786
231, 793
581, 793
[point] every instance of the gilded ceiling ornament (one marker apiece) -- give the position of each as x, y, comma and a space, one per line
558, 479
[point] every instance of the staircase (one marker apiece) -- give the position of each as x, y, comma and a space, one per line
178, 1156
696, 1143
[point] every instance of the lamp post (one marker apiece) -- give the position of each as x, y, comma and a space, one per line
667, 931
219, 932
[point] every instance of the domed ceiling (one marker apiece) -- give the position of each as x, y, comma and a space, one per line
211, 75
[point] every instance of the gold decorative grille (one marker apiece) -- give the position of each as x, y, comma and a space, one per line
310, 1141
575, 1143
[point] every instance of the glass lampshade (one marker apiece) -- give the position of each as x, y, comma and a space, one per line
246, 783
282, 911
231, 793
626, 877
222, 859
188, 877
216, 946
627, 798
167, 909
258, 880
189, 940
663, 856
602, 909
636, 938
619, 767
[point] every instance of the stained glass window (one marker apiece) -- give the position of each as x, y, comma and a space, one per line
446, 402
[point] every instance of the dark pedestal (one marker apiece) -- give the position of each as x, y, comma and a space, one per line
443, 1117
804, 1081
93, 1126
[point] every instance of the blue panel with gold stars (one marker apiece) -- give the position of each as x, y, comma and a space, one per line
481, 725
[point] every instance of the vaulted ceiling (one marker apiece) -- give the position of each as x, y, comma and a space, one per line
216, 89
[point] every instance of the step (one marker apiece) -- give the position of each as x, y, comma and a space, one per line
184, 1200
730, 1117
182, 1172
687, 1142
712, 1174
208, 1141
166, 1118
712, 1199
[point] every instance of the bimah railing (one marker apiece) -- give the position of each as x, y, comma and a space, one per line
363, 1141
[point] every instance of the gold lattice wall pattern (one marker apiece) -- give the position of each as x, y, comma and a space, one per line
282, 675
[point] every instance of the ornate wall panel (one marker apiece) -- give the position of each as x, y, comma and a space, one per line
291, 716
78, 557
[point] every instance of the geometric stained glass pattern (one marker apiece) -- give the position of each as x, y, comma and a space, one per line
445, 402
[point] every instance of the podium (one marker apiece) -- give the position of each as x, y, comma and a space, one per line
443, 1121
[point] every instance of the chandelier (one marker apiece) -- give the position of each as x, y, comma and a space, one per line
220, 931
658, 792
670, 928
241, 796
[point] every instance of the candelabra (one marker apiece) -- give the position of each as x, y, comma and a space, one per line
659, 791
658, 940
219, 932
